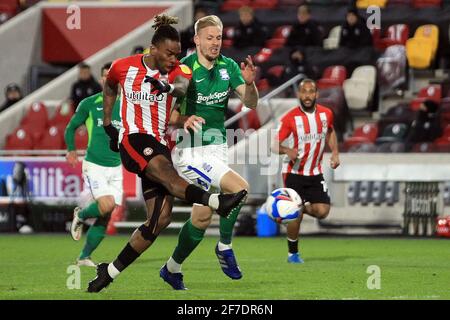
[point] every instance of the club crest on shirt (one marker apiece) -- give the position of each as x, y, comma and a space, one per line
147, 151
324, 123
224, 74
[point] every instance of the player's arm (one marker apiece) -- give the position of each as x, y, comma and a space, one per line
283, 132
76, 121
247, 92
176, 89
183, 121
333, 144
110, 91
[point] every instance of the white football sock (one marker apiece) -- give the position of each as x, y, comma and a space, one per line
223, 246
173, 266
112, 271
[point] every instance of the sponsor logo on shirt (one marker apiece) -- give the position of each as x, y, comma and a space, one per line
138, 96
216, 97
310, 137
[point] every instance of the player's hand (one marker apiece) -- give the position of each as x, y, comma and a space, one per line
158, 87
334, 161
292, 154
72, 158
248, 70
113, 135
193, 122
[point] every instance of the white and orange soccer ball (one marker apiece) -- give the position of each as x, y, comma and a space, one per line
284, 205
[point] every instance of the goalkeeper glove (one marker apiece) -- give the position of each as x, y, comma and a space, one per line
113, 136
159, 87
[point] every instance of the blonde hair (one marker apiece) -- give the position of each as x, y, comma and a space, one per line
208, 21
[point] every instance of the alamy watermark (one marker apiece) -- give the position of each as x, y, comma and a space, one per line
74, 279
374, 280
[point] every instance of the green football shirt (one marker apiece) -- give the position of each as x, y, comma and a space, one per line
90, 112
207, 97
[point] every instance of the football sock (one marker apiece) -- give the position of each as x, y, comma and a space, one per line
292, 246
227, 225
173, 266
94, 235
188, 239
196, 194
123, 260
90, 211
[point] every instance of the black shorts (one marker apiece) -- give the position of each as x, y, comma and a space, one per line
136, 150
312, 189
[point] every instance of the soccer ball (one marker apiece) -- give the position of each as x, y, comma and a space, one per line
284, 205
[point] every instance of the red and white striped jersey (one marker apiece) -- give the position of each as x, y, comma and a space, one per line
308, 132
140, 110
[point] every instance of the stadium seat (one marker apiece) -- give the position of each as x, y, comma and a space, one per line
353, 192
377, 195
334, 37
391, 68
81, 138
363, 148
227, 40
426, 3
232, 5
395, 34
391, 147
423, 147
279, 37
290, 3
20, 139
422, 48
366, 133
446, 193
62, 116
364, 4
395, 132
53, 139
276, 71
37, 116
263, 55
359, 89
365, 190
332, 76
391, 192
431, 92
264, 4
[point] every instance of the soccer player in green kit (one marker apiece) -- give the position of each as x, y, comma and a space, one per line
102, 171
201, 157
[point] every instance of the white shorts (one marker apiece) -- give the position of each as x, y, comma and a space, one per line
103, 181
204, 166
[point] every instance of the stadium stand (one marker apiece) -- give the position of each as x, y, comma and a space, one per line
360, 87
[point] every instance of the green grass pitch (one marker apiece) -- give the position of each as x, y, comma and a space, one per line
35, 267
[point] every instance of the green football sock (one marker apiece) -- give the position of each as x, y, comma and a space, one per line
95, 235
90, 211
227, 225
188, 239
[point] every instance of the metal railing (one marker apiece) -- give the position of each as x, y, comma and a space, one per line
292, 82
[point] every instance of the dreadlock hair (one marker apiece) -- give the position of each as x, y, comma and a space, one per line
164, 30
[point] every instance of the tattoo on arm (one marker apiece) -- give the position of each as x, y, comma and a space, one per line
180, 85
109, 98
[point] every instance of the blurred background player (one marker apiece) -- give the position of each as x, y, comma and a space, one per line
202, 157
148, 84
311, 125
85, 86
102, 171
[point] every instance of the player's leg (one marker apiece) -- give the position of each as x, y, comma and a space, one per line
158, 167
229, 183
159, 208
106, 205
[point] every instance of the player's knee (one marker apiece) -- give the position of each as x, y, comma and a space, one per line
106, 204
201, 222
322, 213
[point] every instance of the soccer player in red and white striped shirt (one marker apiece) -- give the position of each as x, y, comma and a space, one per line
310, 125
148, 84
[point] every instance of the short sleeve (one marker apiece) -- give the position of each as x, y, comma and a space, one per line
235, 75
113, 73
181, 70
283, 130
330, 119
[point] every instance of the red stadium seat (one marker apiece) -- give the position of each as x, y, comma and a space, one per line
263, 55
36, 116
20, 139
263, 4
395, 34
81, 138
276, 71
63, 114
367, 133
52, 139
431, 92
232, 5
279, 37
426, 3
333, 76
